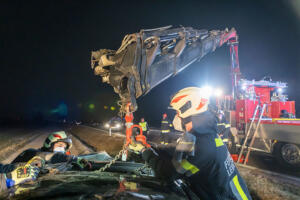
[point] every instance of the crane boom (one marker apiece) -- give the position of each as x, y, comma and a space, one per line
147, 58
235, 66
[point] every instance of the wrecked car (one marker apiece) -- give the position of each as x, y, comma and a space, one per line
121, 180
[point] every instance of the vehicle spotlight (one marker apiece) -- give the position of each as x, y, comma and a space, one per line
244, 87
118, 125
279, 90
207, 91
218, 92
107, 125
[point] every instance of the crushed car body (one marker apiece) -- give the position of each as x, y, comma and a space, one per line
147, 58
123, 180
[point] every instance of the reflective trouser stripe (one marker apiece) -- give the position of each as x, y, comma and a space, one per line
165, 131
219, 142
164, 122
186, 142
225, 140
237, 189
225, 125
189, 167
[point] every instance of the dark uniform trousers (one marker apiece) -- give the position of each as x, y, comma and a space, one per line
165, 131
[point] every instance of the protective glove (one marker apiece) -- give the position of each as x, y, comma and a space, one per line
136, 147
22, 173
37, 161
82, 164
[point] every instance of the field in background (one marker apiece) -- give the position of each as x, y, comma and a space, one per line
13, 139
99, 140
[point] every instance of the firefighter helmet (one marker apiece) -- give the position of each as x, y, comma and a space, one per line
59, 136
165, 115
190, 101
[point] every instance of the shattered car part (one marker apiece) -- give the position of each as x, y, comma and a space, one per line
121, 181
147, 58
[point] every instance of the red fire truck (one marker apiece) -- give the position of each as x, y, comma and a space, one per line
257, 109
261, 110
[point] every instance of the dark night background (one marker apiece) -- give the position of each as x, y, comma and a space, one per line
45, 51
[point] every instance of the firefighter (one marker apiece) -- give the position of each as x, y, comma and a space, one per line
225, 132
223, 127
144, 126
201, 159
165, 129
56, 149
10, 174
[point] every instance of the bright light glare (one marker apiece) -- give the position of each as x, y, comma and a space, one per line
118, 125
218, 92
207, 91
280, 90
244, 87
107, 125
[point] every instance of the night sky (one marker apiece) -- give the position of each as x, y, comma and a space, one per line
45, 51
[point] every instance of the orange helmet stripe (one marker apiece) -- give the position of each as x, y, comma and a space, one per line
202, 103
178, 99
56, 135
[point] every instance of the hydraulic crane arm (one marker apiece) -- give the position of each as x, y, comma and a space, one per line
147, 58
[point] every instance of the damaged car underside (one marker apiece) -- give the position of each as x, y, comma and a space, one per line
147, 58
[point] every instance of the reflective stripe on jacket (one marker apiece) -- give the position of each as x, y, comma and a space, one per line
165, 126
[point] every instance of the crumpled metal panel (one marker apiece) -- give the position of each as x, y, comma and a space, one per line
147, 58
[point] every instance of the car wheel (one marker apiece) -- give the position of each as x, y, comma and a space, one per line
288, 155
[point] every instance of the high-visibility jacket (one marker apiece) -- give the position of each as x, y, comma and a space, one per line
210, 171
166, 125
144, 126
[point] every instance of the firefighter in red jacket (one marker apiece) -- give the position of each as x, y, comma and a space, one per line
201, 158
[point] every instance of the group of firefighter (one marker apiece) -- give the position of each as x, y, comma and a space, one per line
166, 129
201, 157
223, 128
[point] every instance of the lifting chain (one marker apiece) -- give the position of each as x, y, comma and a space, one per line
139, 170
118, 156
102, 169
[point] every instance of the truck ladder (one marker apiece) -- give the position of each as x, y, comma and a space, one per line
254, 134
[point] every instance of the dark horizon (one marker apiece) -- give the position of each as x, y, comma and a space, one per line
46, 52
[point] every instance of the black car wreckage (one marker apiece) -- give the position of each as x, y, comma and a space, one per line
121, 180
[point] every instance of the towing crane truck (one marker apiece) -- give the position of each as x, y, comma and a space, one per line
255, 108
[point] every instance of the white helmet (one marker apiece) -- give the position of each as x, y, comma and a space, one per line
190, 101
